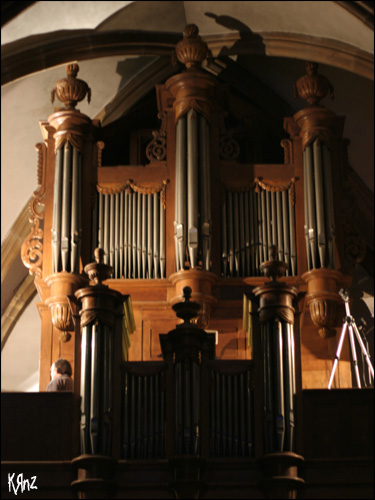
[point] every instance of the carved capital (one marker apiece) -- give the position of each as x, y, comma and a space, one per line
192, 90
317, 122
70, 126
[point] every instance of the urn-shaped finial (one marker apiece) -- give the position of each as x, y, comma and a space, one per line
71, 90
191, 50
273, 268
313, 87
186, 310
98, 271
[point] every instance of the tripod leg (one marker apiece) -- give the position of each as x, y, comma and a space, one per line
338, 353
354, 354
364, 350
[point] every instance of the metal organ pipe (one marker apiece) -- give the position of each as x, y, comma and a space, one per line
56, 222
205, 182
131, 230
319, 214
192, 225
67, 218
180, 193
192, 186
66, 206
251, 222
319, 195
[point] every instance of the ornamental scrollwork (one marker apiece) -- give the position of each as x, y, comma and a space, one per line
229, 148
32, 247
157, 148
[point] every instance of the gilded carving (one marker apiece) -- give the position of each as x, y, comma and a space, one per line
32, 247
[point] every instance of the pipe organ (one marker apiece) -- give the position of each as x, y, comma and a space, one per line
191, 219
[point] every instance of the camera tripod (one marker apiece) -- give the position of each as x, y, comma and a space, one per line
349, 324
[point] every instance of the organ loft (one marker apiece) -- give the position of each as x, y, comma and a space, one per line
189, 261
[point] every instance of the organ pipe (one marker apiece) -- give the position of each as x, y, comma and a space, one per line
250, 222
319, 216
131, 230
56, 223
66, 217
192, 224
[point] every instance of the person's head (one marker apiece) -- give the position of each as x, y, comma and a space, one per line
61, 367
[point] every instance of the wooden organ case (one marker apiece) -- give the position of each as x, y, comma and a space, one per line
203, 213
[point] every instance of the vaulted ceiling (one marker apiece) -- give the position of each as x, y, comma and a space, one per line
123, 49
